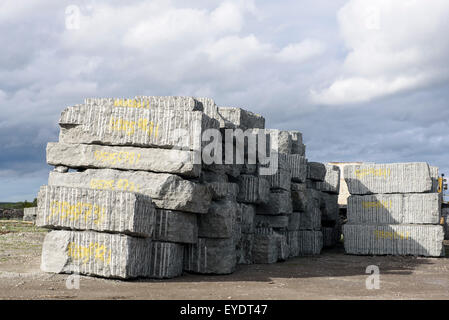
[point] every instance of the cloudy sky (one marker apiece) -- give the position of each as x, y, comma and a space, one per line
363, 80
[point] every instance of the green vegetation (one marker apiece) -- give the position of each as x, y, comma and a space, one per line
18, 205
8, 226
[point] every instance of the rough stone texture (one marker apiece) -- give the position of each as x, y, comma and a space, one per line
279, 141
124, 158
434, 175
219, 221
310, 242
253, 189
209, 108
298, 167
11, 214
310, 219
331, 183
294, 220
417, 240
160, 128
445, 218
175, 226
211, 256
248, 214
292, 243
167, 260
265, 248
244, 249
278, 203
275, 222
148, 102
316, 171
282, 246
98, 210
299, 196
167, 191
329, 207
411, 177
93, 253
223, 190
298, 146
209, 176
331, 236
30, 214
240, 118
412, 208
279, 176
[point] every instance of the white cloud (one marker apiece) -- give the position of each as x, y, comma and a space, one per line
299, 52
392, 46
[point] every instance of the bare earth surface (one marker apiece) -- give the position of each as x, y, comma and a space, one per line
332, 275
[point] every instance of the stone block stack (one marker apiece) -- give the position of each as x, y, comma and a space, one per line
394, 209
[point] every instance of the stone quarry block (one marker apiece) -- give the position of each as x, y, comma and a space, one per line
298, 166
411, 177
279, 202
211, 256
275, 222
167, 191
329, 207
279, 176
244, 249
412, 208
219, 221
292, 243
223, 190
265, 248
434, 175
175, 161
331, 236
298, 146
209, 107
316, 171
299, 196
99, 210
248, 214
175, 226
157, 128
148, 102
98, 254
30, 214
253, 189
282, 246
310, 219
310, 242
167, 260
279, 141
416, 240
331, 183
294, 220
240, 118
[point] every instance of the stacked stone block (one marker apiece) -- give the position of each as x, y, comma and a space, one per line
393, 209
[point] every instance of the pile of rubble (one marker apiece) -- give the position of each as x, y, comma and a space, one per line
394, 209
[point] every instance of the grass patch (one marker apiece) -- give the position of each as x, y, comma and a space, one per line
8, 226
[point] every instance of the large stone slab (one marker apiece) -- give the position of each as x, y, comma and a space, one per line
331, 236
331, 183
248, 214
148, 102
167, 260
434, 175
298, 146
167, 191
412, 208
275, 222
316, 171
279, 176
98, 254
279, 141
223, 190
253, 189
329, 207
294, 220
30, 214
411, 177
158, 128
279, 202
211, 256
283, 246
99, 210
124, 158
175, 226
299, 196
245, 249
240, 118
310, 242
417, 240
298, 167
310, 219
265, 248
219, 221
292, 243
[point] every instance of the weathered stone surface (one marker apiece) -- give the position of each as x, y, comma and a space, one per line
167, 191
434, 175
282, 246
245, 249
310, 219
166, 260
445, 221
310, 242
331, 236
279, 176
93, 253
219, 221
148, 102
417, 240
411, 177
279, 202
99, 210
124, 158
11, 214
211, 256
159, 128
209, 107
331, 183
208, 176
265, 248
240, 118
175, 226
294, 220
279, 141
299, 196
412, 208
298, 167
292, 243
329, 207
253, 189
223, 190
298, 146
30, 214
248, 214
316, 171
275, 222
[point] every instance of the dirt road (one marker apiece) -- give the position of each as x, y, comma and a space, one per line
332, 275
